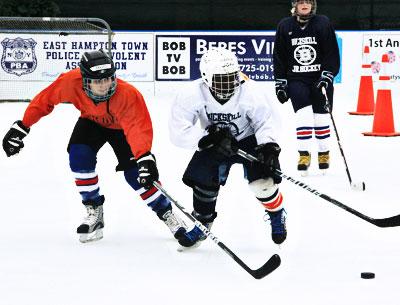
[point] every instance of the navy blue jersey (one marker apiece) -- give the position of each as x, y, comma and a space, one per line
303, 53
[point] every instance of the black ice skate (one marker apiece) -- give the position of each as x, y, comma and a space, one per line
193, 238
278, 226
304, 163
92, 227
176, 225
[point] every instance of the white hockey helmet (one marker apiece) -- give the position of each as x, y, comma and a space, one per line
219, 70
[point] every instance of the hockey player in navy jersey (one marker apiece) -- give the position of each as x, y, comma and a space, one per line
232, 114
306, 58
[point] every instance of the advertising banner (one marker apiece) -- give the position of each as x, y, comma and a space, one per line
178, 56
42, 57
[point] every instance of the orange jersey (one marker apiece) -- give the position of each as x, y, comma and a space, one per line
125, 110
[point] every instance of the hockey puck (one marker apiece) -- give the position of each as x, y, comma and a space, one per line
367, 275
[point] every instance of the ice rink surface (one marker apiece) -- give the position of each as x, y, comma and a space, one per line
42, 261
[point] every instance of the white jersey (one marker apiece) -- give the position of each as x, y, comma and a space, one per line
248, 112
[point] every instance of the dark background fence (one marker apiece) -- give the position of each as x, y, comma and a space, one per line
209, 14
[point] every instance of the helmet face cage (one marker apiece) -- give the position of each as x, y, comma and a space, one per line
219, 70
224, 86
87, 82
97, 68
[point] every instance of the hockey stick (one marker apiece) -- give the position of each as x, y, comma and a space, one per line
393, 221
273, 263
358, 186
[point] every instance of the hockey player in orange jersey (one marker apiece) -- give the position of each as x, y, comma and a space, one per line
112, 111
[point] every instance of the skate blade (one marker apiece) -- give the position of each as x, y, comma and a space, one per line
90, 237
324, 171
185, 249
304, 173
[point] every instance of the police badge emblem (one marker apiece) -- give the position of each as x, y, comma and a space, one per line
18, 56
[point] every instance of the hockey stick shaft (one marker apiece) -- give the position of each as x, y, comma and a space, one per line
383, 222
273, 263
329, 109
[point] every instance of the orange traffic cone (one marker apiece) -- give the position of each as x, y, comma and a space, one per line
365, 105
383, 125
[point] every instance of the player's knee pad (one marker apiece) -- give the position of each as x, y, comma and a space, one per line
204, 200
263, 188
267, 192
82, 158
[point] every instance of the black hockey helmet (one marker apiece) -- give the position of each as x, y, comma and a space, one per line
312, 13
96, 66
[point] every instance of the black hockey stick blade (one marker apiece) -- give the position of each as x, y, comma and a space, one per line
273, 263
393, 221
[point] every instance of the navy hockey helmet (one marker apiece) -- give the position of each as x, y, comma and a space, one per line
98, 75
313, 9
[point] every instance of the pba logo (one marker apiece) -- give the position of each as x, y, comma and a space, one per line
18, 56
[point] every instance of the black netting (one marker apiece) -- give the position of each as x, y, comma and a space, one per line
12, 87
52, 25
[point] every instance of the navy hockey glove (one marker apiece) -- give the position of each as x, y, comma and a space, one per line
12, 141
147, 169
220, 140
325, 80
268, 155
281, 89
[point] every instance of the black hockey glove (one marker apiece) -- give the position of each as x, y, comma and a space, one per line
12, 141
325, 80
281, 90
220, 140
268, 155
147, 168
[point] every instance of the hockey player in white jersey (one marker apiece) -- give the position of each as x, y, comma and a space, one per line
232, 114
